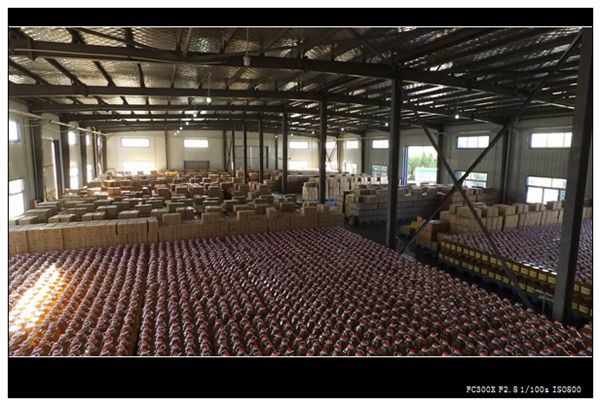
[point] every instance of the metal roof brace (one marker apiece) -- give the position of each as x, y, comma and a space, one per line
497, 138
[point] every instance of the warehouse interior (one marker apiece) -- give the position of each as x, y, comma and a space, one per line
290, 191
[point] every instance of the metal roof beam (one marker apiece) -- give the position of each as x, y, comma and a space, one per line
55, 49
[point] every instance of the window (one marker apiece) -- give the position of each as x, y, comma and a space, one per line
330, 145
134, 167
351, 144
72, 138
551, 140
298, 144
16, 198
74, 177
379, 170
135, 142
88, 140
350, 167
380, 144
472, 142
544, 189
195, 143
90, 172
13, 131
474, 179
298, 164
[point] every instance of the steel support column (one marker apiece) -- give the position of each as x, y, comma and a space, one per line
233, 150
440, 142
65, 158
261, 153
276, 152
104, 153
363, 153
59, 173
245, 152
576, 179
284, 153
95, 155
83, 152
322, 152
225, 157
338, 146
38, 162
393, 164
505, 168
167, 150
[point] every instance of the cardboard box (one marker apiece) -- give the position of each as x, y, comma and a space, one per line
487, 212
521, 208
504, 209
129, 214
172, 218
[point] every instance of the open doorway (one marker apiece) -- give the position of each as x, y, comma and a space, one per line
420, 165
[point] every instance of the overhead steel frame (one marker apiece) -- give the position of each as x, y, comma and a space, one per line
576, 180
261, 146
47, 49
245, 152
394, 165
284, 153
323, 153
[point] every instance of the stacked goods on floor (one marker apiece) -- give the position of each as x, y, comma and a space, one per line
338, 185
76, 303
485, 195
175, 222
500, 217
532, 254
368, 203
227, 297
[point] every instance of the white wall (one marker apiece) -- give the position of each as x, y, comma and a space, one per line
350, 155
20, 162
524, 160
155, 153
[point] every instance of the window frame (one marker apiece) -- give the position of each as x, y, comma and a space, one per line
387, 146
379, 167
17, 124
297, 145
547, 133
561, 191
123, 139
304, 166
74, 176
202, 140
72, 138
347, 141
472, 182
334, 143
478, 136
21, 192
